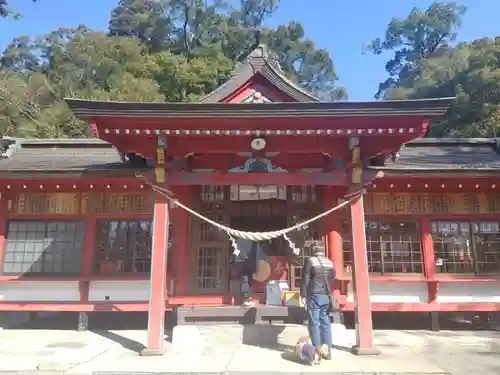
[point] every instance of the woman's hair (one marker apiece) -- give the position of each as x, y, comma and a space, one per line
316, 249
315, 246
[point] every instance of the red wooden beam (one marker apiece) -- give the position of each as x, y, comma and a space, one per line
279, 122
75, 306
336, 178
219, 301
428, 307
289, 162
438, 184
234, 144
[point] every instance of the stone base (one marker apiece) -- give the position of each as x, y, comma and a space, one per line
146, 352
340, 336
365, 351
83, 322
187, 339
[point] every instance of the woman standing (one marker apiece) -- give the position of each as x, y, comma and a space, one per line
318, 277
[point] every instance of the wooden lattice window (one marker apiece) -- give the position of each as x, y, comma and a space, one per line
213, 193
347, 247
303, 204
391, 246
123, 246
303, 194
467, 247
44, 247
210, 246
452, 247
209, 270
296, 270
487, 246
394, 247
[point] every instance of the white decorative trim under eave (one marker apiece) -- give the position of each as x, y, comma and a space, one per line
331, 132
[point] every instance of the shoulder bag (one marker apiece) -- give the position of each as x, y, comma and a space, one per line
334, 307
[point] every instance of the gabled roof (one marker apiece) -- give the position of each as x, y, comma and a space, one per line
261, 61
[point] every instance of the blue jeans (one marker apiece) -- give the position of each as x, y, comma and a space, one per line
318, 322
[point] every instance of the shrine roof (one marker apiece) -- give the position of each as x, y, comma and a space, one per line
438, 155
88, 109
264, 62
422, 156
60, 156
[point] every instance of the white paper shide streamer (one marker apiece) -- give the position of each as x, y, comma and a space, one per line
252, 236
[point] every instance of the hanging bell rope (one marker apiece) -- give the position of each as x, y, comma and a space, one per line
252, 236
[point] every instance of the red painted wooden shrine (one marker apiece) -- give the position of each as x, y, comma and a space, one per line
257, 154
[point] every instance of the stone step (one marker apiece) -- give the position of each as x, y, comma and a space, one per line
243, 315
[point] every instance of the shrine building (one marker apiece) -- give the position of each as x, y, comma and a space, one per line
82, 231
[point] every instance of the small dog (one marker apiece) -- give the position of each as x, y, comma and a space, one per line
307, 352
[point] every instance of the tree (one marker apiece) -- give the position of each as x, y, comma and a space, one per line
471, 73
5, 11
141, 19
193, 28
182, 79
68, 63
427, 65
154, 50
418, 37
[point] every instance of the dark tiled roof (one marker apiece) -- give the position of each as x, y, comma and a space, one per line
425, 155
448, 154
93, 109
60, 155
260, 61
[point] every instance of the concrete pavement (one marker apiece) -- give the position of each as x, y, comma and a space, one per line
238, 350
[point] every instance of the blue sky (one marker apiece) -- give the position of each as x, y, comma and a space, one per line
343, 27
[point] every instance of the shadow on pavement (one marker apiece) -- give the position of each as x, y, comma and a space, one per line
290, 356
125, 342
264, 336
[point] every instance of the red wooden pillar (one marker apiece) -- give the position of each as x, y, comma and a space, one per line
158, 283
361, 283
4, 208
334, 235
181, 241
334, 242
87, 270
429, 259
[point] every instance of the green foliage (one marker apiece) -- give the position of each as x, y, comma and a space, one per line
6, 11
154, 50
426, 64
420, 36
471, 72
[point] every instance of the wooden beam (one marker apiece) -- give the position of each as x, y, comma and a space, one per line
107, 306
235, 144
336, 178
